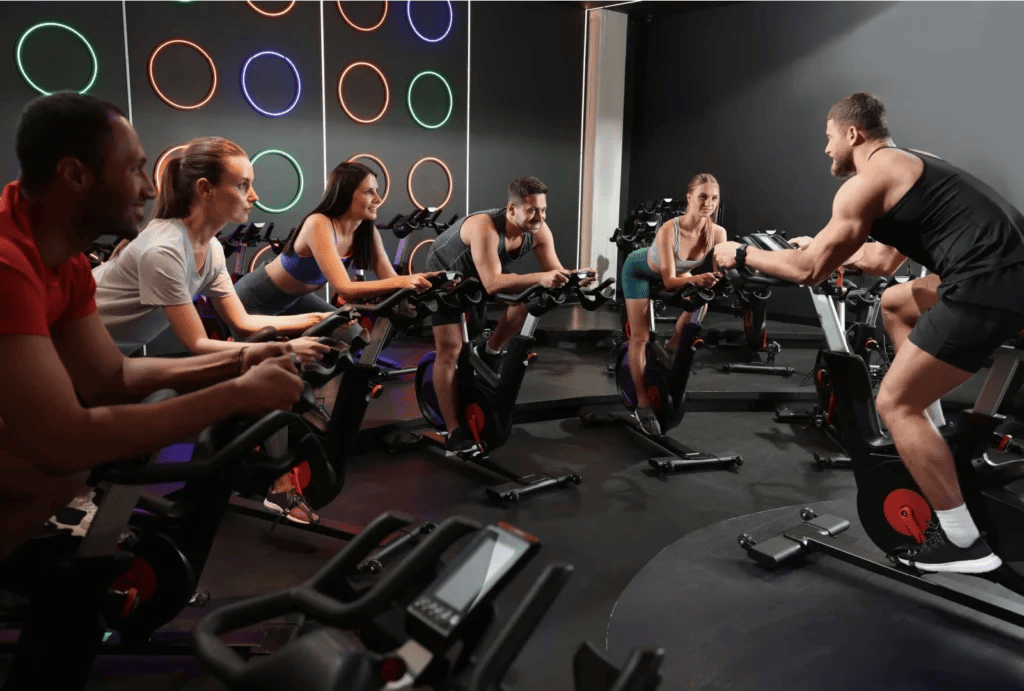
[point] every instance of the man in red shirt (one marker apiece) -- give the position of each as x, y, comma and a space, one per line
83, 175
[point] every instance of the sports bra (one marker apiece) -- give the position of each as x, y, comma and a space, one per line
306, 269
682, 265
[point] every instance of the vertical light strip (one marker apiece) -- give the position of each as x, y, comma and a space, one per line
127, 70
323, 88
469, 57
583, 114
323, 114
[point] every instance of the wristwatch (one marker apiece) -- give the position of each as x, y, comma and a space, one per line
741, 256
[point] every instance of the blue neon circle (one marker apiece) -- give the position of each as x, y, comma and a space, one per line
298, 84
451, 20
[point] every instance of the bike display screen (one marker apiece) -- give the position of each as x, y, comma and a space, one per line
473, 578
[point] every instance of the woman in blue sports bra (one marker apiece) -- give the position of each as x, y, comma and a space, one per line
340, 227
681, 245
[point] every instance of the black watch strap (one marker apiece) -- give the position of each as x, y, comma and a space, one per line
741, 257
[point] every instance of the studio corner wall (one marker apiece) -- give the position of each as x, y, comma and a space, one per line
607, 34
742, 91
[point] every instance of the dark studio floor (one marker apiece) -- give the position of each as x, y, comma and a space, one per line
656, 561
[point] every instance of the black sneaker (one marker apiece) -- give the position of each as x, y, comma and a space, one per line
459, 442
291, 505
938, 554
648, 420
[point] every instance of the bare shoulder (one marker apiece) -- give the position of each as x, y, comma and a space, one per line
720, 232
478, 227
863, 194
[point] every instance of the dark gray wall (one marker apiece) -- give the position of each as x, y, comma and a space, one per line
527, 88
742, 92
525, 79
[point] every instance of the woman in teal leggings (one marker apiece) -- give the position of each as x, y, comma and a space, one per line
681, 245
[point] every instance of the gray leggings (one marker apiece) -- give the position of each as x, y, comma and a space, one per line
259, 295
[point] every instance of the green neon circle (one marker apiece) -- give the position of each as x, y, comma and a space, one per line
451, 100
21, 68
298, 171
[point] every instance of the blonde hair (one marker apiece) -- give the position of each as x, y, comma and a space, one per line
706, 179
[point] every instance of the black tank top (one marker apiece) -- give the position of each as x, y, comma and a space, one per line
953, 224
450, 253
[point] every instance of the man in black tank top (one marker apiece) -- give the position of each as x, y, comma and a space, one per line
918, 206
481, 246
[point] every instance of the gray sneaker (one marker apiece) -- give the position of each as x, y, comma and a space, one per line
648, 421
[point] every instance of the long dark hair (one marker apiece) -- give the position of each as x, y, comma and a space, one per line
203, 158
342, 184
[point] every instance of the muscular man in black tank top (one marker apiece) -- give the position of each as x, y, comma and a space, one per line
918, 206
481, 246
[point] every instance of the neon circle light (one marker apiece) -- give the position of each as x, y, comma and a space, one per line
298, 84
348, 21
447, 171
383, 80
158, 168
92, 53
451, 20
383, 168
451, 100
298, 171
282, 13
152, 79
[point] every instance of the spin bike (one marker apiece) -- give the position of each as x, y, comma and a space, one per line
78, 587
666, 378
404, 631
890, 506
487, 398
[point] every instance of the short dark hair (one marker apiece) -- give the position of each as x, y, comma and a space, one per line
864, 111
62, 124
523, 186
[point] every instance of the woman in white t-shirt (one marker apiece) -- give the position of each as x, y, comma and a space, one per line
151, 282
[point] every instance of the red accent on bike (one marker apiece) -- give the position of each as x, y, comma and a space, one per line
475, 420
128, 606
139, 577
907, 513
530, 357
376, 391
654, 394
1004, 442
698, 344
301, 476
391, 669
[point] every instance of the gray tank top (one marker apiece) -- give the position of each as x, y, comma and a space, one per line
682, 265
450, 253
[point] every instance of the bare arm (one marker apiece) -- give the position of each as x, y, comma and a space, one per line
544, 248
320, 236
877, 259
233, 312
852, 212
68, 438
478, 232
188, 327
103, 376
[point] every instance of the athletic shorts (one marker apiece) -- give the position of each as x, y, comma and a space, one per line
476, 315
973, 318
637, 275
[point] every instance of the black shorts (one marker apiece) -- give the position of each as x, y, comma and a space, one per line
476, 316
973, 319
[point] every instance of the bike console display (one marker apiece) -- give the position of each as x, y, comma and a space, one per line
476, 573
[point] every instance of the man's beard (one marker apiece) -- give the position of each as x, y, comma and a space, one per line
96, 220
842, 169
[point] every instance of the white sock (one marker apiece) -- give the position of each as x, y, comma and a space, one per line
958, 526
934, 411
489, 351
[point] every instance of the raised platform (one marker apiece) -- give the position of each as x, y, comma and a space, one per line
728, 624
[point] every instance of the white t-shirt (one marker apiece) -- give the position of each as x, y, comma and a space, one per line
155, 270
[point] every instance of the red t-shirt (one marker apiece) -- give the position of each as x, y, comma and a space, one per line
33, 297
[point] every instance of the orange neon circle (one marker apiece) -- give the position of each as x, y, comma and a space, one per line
158, 169
152, 79
447, 172
282, 13
348, 21
384, 169
387, 92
